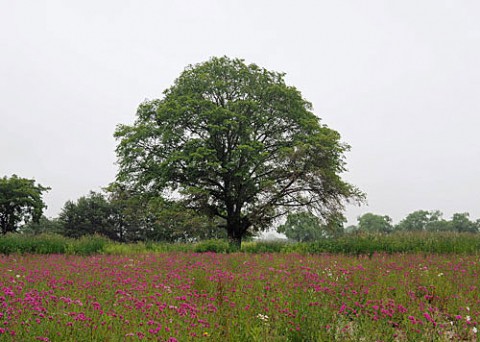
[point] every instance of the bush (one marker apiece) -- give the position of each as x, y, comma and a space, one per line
265, 246
411, 242
88, 245
39, 244
215, 246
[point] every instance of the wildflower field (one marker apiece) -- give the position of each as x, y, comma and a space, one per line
239, 297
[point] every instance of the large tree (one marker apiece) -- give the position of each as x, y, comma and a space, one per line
20, 202
235, 141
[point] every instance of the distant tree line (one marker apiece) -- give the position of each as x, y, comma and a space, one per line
126, 216
305, 226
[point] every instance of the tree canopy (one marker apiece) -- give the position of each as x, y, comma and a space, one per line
92, 214
420, 220
374, 223
20, 202
140, 216
304, 226
234, 141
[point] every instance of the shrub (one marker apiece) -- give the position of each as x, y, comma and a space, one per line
87, 245
216, 246
39, 244
264, 246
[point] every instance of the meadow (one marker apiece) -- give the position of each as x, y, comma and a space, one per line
178, 296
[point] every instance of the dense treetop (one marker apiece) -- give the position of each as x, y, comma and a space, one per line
235, 141
20, 202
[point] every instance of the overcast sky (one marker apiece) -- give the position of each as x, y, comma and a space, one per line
400, 80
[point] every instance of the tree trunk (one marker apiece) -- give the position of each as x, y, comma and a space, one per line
235, 243
237, 226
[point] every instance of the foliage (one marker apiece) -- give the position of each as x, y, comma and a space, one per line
51, 244
146, 247
301, 226
432, 221
234, 141
142, 217
419, 220
398, 242
20, 201
261, 246
87, 245
215, 246
461, 223
373, 223
43, 226
439, 226
351, 244
92, 214
304, 226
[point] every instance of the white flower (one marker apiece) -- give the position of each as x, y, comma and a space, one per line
468, 318
474, 329
262, 317
440, 274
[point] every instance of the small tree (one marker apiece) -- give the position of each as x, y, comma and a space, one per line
305, 226
419, 220
20, 202
461, 223
44, 225
91, 214
440, 225
234, 141
373, 223
301, 227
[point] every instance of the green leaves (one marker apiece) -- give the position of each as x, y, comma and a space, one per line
20, 201
240, 137
375, 223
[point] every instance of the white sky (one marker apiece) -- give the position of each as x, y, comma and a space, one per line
400, 80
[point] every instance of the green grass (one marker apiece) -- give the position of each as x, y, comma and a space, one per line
360, 244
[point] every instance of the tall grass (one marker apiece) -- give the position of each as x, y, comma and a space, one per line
51, 244
354, 244
367, 244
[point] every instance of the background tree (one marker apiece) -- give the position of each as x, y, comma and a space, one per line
440, 225
373, 223
143, 217
175, 223
234, 141
42, 226
20, 202
92, 214
461, 223
301, 227
305, 226
351, 229
334, 225
419, 220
